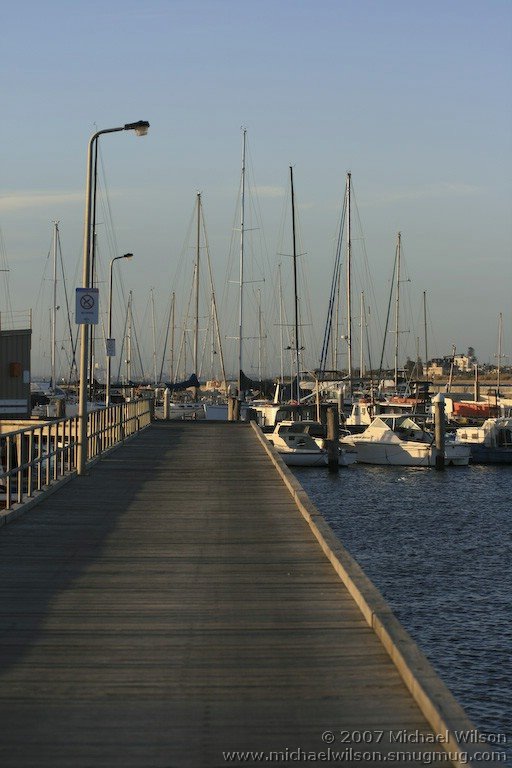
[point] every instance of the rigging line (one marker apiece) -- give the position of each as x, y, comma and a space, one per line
334, 288
183, 341
106, 207
122, 343
214, 300
368, 274
387, 317
255, 206
74, 341
178, 277
369, 350
135, 323
181, 352
166, 338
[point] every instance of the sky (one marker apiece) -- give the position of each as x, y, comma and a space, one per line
414, 99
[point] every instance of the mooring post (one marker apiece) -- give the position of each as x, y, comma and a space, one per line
167, 403
439, 426
233, 408
332, 442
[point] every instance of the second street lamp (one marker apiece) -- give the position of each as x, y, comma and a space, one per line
140, 128
110, 343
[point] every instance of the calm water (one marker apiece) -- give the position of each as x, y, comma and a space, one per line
438, 545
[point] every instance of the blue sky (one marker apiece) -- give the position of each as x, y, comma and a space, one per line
413, 98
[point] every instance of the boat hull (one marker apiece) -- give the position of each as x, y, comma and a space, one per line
347, 458
411, 455
393, 454
482, 454
186, 411
303, 458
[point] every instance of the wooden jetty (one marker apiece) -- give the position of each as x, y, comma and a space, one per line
175, 605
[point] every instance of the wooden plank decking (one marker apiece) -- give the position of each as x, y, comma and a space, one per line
172, 605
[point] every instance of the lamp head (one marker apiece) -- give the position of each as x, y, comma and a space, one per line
127, 255
140, 127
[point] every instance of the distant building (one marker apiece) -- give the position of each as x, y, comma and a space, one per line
463, 363
438, 367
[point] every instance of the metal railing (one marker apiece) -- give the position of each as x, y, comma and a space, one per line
34, 457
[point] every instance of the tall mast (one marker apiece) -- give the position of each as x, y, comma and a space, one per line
241, 286
155, 379
212, 338
361, 327
397, 304
500, 332
260, 337
54, 304
129, 341
171, 366
295, 295
196, 321
281, 318
215, 315
335, 344
349, 285
425, 329
452, 365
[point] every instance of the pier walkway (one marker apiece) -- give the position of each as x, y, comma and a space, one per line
173, 606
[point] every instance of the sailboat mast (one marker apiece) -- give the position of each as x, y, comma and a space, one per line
361, 326
281, 318
54, 303
129, 341
215, 315
397, 304
425, 329
349, 284
260, 337
171, 366
241, 286
196, 321
295, 294
500, 333
155, 380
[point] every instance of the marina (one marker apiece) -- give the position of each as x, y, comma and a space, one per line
194, 613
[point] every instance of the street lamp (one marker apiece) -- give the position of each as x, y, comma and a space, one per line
110, 349
140, 128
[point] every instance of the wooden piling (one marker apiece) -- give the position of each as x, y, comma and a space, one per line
439, 425
332, 442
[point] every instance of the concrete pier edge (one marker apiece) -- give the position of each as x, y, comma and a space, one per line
435, 700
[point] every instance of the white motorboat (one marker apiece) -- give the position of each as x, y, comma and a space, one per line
401, 441
318, 431
297, 449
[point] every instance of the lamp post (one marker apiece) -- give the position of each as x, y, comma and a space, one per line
140, 128
110, 351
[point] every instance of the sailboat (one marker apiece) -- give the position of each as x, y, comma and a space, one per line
267, 412
338, 385
219, 411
